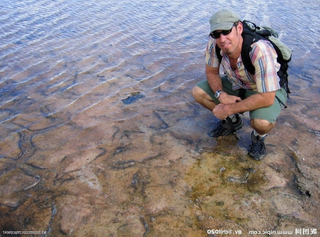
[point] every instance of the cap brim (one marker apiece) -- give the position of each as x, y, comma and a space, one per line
222, 26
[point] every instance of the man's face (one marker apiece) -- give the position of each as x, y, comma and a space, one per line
231, 43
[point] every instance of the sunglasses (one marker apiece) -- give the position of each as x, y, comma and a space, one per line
216, 34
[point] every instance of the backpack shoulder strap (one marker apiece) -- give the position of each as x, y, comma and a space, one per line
218, 53
249, 37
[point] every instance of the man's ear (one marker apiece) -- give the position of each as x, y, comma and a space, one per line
240, 27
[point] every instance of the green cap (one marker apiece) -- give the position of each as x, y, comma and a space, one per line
223, 20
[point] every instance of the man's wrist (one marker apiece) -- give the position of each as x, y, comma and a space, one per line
227, 108
218, 93
221, 94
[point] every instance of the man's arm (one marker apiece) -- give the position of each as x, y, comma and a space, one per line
214, 80
253, 102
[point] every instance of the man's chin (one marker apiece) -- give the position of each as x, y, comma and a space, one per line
226, 51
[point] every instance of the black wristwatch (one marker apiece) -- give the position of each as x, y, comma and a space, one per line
217, 94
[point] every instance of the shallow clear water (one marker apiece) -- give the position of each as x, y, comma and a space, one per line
97, 91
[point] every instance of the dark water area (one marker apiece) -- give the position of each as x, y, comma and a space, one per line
100, 135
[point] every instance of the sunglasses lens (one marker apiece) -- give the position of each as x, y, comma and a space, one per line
216, 34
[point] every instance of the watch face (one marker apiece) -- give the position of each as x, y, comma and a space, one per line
217, 94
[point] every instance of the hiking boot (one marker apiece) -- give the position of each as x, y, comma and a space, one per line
257, 148
226, 127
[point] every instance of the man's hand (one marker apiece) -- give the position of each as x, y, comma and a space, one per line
221, 111
226, 99
232, 104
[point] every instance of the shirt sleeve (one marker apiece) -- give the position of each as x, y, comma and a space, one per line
264, 60
210, 54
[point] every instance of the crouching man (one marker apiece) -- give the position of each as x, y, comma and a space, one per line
238, 90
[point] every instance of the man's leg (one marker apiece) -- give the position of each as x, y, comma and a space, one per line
262, 126
263, 121
203, 98
204, 95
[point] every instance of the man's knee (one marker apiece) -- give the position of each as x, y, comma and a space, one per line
203, 98
262, 126
198, 93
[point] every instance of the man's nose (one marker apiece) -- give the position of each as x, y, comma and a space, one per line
222, 37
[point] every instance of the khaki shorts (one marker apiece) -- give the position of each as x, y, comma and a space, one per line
267, 113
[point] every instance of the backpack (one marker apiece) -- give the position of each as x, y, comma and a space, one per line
252, 33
